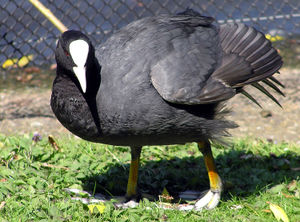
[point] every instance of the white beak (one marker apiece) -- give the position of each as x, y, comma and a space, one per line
80, 74
79, 50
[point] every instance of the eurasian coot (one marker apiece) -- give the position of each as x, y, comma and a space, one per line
160, 80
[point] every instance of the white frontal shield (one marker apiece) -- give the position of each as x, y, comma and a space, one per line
79, 50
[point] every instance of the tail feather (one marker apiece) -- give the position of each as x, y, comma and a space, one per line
267, 74
276, 81
248, 58
239, 32
262, 57
248, 46
266, 92
264, 67
245, 93
273, 86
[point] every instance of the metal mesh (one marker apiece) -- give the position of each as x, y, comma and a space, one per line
25, 31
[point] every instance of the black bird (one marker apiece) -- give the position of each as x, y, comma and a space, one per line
160, 80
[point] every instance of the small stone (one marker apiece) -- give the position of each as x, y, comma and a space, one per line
36, 124
266, 113
236, 207
129, 204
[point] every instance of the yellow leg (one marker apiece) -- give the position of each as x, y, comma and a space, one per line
211, 199
214, 178
133, 173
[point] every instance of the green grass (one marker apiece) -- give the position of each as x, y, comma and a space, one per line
33, 178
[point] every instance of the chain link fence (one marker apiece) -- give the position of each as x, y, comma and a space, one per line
26, 34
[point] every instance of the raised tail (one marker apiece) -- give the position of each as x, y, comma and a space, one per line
248, 58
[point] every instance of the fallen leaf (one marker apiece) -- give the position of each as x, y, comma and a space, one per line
2, 204
100, 208
53, 143
53, 166
91, 208
292, 185
166, 205
287, 195
279, 213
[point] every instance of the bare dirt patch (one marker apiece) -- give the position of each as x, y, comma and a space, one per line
271, 122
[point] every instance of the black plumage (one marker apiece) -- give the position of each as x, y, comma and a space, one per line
161, 80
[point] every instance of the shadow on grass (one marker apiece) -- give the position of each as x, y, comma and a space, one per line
244, 173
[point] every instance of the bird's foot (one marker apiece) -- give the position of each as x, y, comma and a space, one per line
204, 200
209, 200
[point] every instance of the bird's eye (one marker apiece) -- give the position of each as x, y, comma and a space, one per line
67, 53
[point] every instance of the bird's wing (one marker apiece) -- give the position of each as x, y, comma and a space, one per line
210, 65
244, 46
183, 73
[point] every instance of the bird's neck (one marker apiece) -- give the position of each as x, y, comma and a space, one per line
93, 79
67, 91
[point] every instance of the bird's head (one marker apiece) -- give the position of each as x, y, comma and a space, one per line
73, 53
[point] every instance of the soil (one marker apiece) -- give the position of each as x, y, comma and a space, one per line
28, 111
